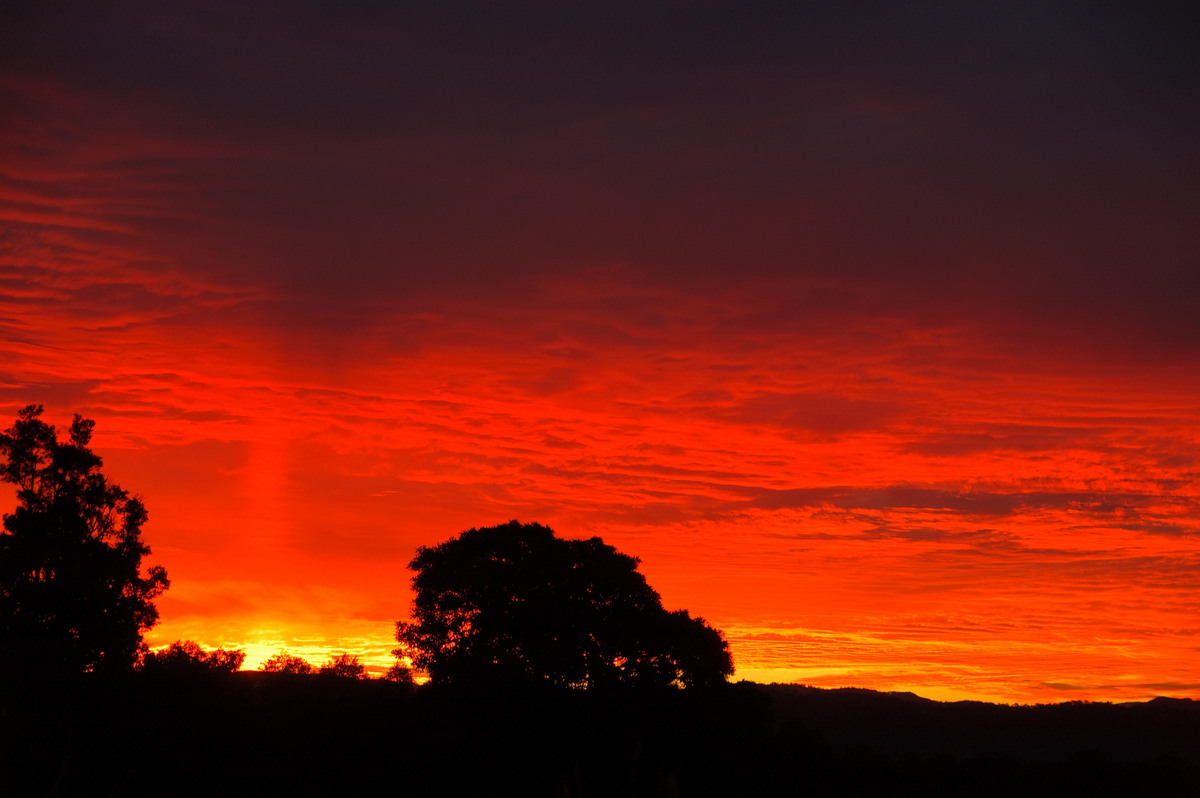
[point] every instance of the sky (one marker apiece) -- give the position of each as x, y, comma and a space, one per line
870, 328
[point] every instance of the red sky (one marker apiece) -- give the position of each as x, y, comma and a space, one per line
871, 331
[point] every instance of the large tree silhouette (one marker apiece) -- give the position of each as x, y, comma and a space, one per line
513, 603
73, 597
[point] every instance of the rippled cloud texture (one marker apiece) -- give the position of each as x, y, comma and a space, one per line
870, 329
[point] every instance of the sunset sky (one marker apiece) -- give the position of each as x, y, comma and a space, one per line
871, 329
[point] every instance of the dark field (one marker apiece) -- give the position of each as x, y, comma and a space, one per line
266, 734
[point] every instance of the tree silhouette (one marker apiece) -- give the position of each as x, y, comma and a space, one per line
284, 662
73, 597
186, 657
399, 673
344, 666
514, 603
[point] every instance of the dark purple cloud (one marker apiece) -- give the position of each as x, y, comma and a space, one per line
1018, 165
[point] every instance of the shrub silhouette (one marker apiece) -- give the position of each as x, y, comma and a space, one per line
513, 603
73, 597
399, 673
284, 662
344, 666
187, 658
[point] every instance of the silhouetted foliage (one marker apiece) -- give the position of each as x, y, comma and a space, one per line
73, 597
186, 657
513, 603
399, 673
344, 666
284, 662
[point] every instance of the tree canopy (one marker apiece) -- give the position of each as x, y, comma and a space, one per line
284, 662
188, 658
344, 666
515, 603
73, 596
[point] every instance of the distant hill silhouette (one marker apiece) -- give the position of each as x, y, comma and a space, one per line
905, 725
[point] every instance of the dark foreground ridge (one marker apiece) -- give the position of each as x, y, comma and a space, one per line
278, 734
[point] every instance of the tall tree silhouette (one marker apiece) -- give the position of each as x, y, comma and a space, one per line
514, 603
73, 597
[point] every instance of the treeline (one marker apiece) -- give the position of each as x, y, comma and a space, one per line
186, 659
287, 734
509, 604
